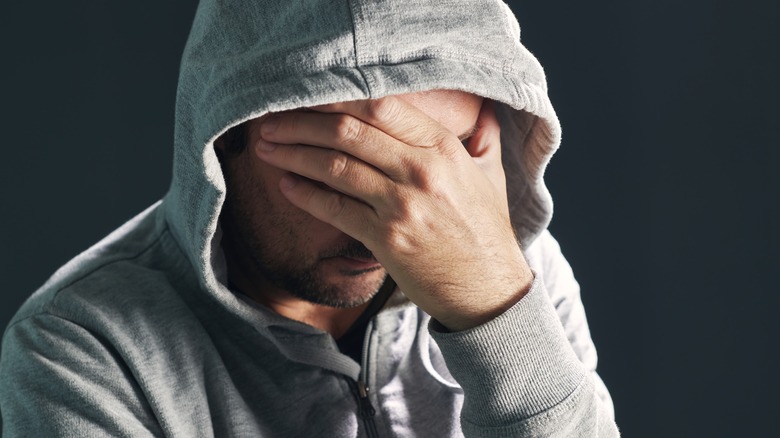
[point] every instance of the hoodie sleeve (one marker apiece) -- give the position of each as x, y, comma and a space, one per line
532, 370
57, 379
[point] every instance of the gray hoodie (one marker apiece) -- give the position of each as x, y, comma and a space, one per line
139, 335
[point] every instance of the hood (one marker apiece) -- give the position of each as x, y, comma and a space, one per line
246, 58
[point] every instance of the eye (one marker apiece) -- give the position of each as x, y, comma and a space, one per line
465, 143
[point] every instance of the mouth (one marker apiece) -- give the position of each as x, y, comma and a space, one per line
366, 260
353, 258
356, 265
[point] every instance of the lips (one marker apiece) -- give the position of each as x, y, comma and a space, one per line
357, 263
362, 259
370, 261
352, 255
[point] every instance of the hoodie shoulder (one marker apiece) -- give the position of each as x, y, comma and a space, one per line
135, 262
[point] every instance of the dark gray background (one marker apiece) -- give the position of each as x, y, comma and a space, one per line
666, 185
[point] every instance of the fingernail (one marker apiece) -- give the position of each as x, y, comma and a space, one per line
288, 181
269, 125
265, 146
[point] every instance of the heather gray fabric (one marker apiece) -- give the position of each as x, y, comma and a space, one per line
139, 336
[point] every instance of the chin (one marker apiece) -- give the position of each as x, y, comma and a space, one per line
346, 291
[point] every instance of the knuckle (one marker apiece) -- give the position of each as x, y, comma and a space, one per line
428, 181
348, 128
334, 205
425, 178
397, 239
385, 108
444, 140
397, 232
337, 164
309, 198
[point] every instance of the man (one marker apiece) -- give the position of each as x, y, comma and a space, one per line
353, 244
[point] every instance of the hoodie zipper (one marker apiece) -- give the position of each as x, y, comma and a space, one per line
365, 409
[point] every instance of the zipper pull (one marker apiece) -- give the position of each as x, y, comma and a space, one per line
365, 403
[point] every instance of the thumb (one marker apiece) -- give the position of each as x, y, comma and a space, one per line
485, 146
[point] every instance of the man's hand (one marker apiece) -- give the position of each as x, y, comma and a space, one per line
434, 214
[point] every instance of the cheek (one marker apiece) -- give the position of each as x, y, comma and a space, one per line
267, 178
264, 187
267, 175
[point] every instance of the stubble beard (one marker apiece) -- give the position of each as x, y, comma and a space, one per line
270, 248
305, 281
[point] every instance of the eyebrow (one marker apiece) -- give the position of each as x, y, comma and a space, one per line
468, 133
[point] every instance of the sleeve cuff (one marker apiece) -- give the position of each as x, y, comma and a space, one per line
515, 366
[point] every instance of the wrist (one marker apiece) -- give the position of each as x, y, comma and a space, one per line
485, 305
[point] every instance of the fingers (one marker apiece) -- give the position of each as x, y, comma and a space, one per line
388, 133
336, 169
361, 160
348, 215
341, 132
392, 115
